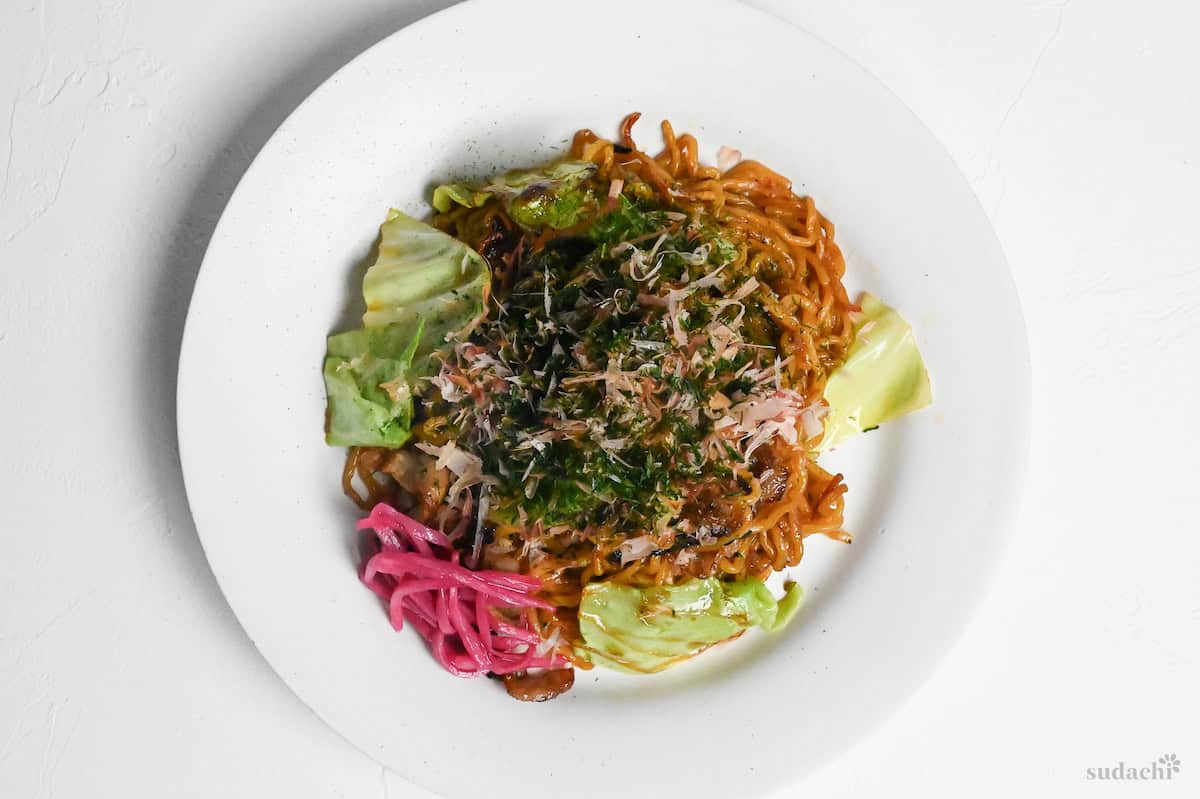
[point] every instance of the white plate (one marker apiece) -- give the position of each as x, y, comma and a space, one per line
486, 86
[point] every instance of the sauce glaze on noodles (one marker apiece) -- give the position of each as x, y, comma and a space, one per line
782, 496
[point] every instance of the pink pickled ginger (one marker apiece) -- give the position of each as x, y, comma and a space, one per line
418, 574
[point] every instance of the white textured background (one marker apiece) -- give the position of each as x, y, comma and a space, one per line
125, 124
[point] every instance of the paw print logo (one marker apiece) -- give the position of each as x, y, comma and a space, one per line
1170, 763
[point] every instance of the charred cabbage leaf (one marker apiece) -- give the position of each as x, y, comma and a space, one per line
550, 197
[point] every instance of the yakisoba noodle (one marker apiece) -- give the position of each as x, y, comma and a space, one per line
772, 502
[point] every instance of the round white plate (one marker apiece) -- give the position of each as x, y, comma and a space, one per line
487, 86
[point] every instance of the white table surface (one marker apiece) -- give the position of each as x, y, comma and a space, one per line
125, 124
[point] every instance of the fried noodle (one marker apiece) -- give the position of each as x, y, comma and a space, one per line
777, 499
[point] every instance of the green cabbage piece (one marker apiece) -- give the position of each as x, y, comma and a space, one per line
883, 376
425, 289
423, 273
448, 195
550, 197
644, 630
366, 383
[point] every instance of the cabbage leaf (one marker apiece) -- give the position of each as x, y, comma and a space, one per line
424, 290
644, 630
366, 383
883, 377
423, 273
550, 197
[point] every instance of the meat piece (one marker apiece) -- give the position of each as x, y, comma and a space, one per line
414, 472
530, 686
709, 507
774, 484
